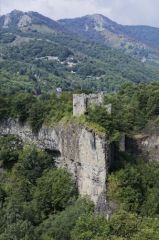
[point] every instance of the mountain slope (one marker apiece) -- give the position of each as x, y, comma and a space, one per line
38, 54
95, 27
28, 21
138, 41
98, 23
145, 34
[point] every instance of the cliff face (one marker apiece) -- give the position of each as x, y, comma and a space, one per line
145, 145
148, 146
84, 153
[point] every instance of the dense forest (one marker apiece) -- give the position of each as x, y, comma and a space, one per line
133, 108
45, 55
42, 66
38, 201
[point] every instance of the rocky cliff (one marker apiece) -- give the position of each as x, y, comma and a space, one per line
144, 145
148, 145
83, 152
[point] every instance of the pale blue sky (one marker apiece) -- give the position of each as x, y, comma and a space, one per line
143, 12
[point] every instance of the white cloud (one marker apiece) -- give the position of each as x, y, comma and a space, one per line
143, 12
55, 8
122, 11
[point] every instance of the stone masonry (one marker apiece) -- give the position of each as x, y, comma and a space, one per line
81, 102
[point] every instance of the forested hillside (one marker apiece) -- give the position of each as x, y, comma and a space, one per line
38, 55
133, 108
39, 201
139, 41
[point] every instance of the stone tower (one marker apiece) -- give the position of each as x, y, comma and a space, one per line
81, 102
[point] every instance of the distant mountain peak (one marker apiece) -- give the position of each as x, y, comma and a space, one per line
99, 17
96, 15
95, 27
92, 25
28, 21
96, 21
16, 18
15, 11
101, 22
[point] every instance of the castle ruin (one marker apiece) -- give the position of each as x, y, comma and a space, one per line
81, 102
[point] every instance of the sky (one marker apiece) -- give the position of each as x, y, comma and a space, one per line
129, 12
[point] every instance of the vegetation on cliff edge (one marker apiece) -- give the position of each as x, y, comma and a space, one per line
40, 202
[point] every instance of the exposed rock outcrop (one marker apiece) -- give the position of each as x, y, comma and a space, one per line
7, 21
24, 21
145, 145
83, 152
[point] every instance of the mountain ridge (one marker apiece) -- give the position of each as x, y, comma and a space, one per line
103, 30
25, 20
96, 27
39, 54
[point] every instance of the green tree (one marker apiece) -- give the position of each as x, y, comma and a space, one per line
124, 224
55, 191
135, 188
2, 196
10, 147
91, 227
21, 230
4, 108
21, 104
37, 115
59, 227
32, 162
148, 229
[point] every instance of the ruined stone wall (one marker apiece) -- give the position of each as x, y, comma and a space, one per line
79, 104
82, 101
83, 152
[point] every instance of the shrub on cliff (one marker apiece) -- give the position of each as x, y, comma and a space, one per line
10, 147
21, 104
37, 114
